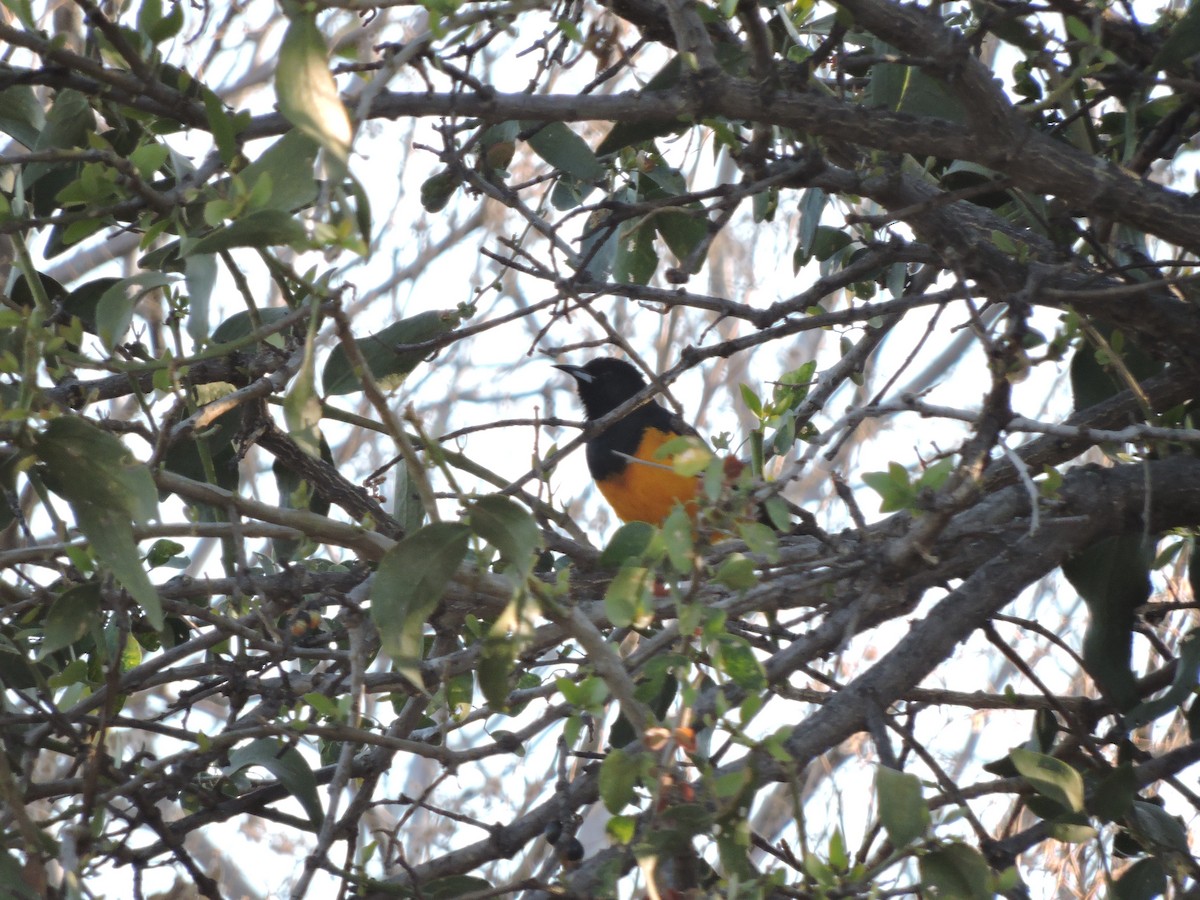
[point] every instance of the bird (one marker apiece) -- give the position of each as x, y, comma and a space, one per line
622, 460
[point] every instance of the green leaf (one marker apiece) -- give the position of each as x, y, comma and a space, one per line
168, 26
677, 537
407, 508
681, 231
760, 539
289, 164
326, 707
935, 475
1071, 828
621, 829
454, 886
893, 486
629, 542
12, 874
68, 124
288, 765
88, 466
496, 665
1114, 795
241, 324
149, 158
636, 259
956, 872
829, 240
1157, 829
114, 309
438, 188
1144, 880
1050, 777
565, 150
408, 584
734, 656
588, 695
688, 455
388, 365
811, 209
618, 778
110, 533
627, 597
200, 277
21, 115
1113, 578
1182, 40
302, 408
908, 89
509, 528
751, 401
1186, 671
306, 91
737, 572
70, 617
261, 228
902, 808
222, 125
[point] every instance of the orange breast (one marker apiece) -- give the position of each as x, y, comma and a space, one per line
647, 491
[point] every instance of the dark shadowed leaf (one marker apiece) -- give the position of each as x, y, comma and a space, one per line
1157, 829
288, 765
70, 617
111, 535
558, 145
957, 871
241, 324
454, 886
1144, 880
1113, 578
89, 466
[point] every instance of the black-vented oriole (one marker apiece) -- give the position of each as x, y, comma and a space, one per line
622, 459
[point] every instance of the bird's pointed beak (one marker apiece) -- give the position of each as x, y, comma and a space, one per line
575, 372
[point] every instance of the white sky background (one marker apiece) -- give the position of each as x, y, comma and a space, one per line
504, 382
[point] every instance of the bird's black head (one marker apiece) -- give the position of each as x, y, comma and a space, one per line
604, 384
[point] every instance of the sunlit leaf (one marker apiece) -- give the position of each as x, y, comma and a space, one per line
307, 93
1050, 777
